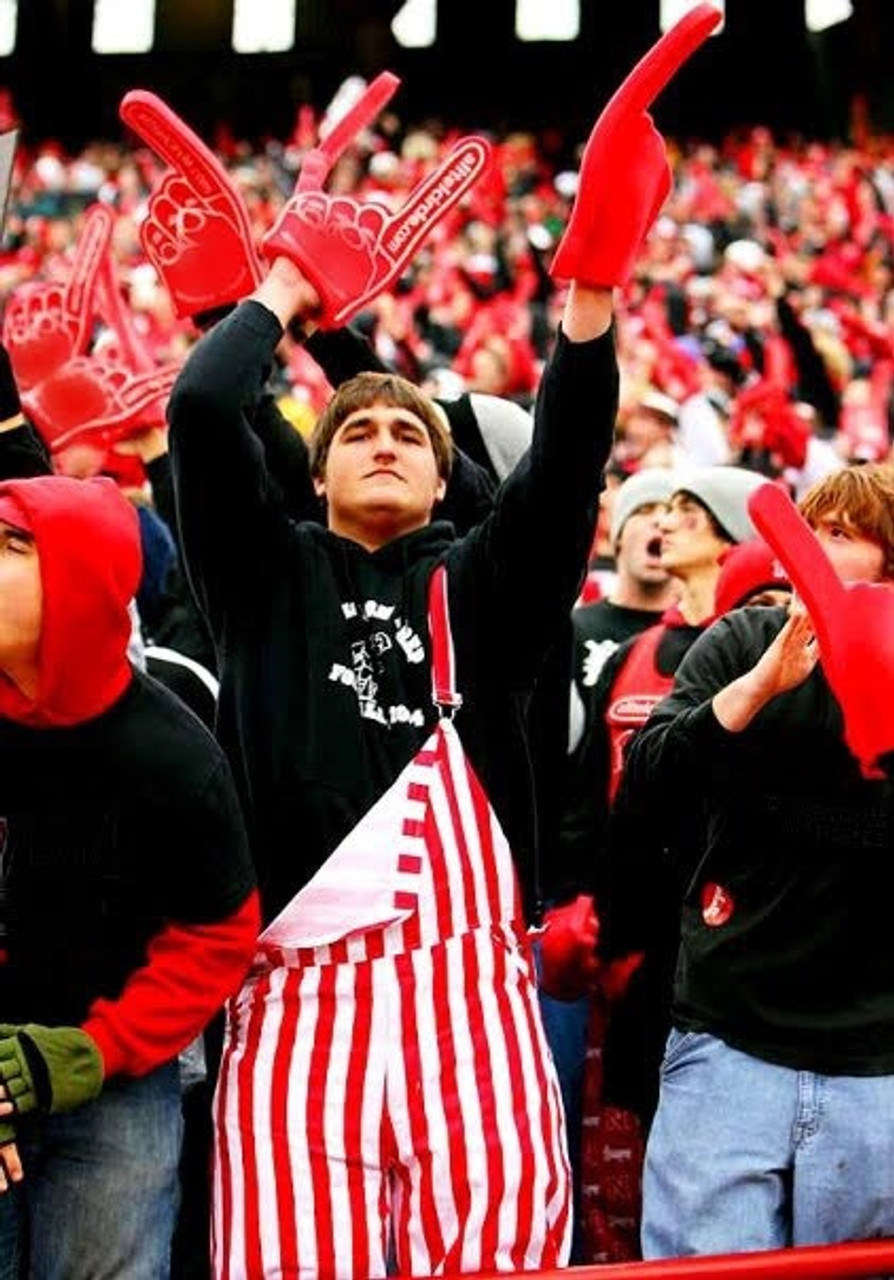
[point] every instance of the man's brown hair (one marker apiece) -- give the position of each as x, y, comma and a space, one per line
862, 495
367, 389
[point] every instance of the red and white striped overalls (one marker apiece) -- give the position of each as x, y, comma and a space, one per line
386, 1090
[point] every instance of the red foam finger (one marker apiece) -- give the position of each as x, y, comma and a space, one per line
90, 252
147, 115
657, 67
119, 319
317, 163
784, 529
363, 112
154, 121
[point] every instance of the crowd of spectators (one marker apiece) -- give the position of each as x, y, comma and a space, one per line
757, 320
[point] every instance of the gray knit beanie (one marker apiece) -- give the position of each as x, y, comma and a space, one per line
644, 487
725, 492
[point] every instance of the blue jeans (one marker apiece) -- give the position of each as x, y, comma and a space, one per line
746, 1155
101, 1189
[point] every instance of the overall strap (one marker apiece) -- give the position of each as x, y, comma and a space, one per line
443, 665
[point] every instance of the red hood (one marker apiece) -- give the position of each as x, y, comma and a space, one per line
88, 542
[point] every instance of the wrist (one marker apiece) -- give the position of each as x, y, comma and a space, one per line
736, 705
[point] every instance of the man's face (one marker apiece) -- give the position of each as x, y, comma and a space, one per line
689, 542
381, 477
21, 598
639, 546
854, 557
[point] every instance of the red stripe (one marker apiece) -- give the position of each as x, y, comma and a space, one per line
439, 626
220, 1248
338, 951
525, 1201
419, 1137
409, 863
413, 826
547, 1128
418, 791
485, 1086
279, 1122
548, 1123
401, 1222
426, 756
440, 883
472, 907
353, 1131
375, 944
405, 901
247, 1134
316, 1136
493, 909
458, 1163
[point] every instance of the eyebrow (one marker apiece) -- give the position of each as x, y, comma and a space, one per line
402, 417
13, 531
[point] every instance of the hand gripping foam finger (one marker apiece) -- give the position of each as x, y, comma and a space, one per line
854, 625
89, 399
568, 948
197, 232
352, 251
46, 324
625, 176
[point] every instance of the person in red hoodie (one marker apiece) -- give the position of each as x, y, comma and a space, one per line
128, 906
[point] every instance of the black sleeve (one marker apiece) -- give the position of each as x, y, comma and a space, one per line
23, 454
585, 789
230, 511
219, 874
683, 748
288, 460
342, 354
514, 579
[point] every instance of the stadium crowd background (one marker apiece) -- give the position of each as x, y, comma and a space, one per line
764, 243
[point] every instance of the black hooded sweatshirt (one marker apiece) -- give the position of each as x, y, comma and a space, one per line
324, 649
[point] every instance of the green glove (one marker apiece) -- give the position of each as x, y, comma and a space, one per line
7, 1132
49, 1069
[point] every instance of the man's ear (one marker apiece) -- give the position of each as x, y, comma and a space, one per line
319, 483
440, 489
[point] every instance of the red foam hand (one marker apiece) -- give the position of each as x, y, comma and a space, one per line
90, 399
854, 625
130, 348
625, 176
315, 165
46, 324
352, 251
197, 232
568, 948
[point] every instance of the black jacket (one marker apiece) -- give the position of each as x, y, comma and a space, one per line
325, 683
797, 968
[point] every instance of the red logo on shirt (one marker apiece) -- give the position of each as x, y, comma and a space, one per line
717, 904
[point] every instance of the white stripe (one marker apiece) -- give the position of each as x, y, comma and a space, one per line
507, 1133
297, 1108
473, 1136
262, 1079
181, 660
334, 1102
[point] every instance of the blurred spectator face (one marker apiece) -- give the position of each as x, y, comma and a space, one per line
639, 545
643, 431
489, 372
